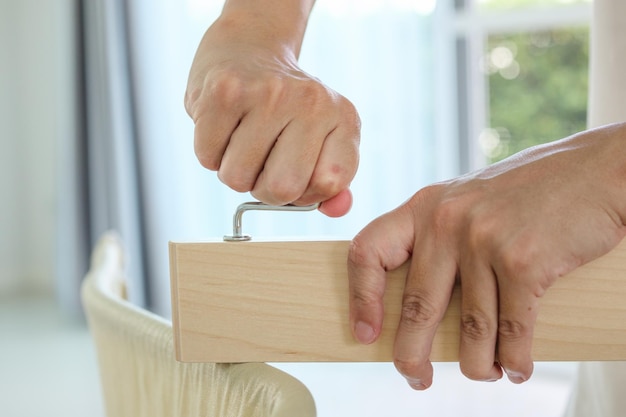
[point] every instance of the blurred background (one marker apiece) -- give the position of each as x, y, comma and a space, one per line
94, 136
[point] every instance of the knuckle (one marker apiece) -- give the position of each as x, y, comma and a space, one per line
192, 96
474, 373
208, 160
227, 88
314, 93
476, 326
208, 149
276, 84
362, 299
445, 212
350, 115
238, 181
321, 101
358, 252
363, 293
522, 267
418, 312
408, 367
519, 257
312, 96
274, 90
515, 261
283, 192
330, 183
483, 230
512, 330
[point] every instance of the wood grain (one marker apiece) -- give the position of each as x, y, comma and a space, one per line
288, 302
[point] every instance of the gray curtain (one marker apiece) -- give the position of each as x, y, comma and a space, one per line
101, 181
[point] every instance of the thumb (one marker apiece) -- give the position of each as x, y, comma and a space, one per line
338, 205
383, 245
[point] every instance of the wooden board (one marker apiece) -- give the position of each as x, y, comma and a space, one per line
288, 302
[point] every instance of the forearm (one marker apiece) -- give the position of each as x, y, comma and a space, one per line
592, 161
276, 23
611, 162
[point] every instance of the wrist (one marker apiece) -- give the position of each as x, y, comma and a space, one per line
271, 24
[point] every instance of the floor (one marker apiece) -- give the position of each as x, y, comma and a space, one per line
377, 390
48, 368
47, 362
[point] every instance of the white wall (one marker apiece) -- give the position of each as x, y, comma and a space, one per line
36, 102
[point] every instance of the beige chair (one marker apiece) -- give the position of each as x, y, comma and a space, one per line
140, 376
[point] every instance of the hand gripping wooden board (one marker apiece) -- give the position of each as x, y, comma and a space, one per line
288, 302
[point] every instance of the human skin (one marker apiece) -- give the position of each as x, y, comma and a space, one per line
262, 123
507, 233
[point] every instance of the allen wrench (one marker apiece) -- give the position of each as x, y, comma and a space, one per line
238, 236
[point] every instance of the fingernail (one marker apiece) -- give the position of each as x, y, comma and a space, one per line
515, 377
416, 384
364, 332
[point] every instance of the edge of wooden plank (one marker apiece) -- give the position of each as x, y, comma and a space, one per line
613, 262
173, 259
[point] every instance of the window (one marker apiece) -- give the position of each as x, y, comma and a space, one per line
441, 90
523, 70
537, 89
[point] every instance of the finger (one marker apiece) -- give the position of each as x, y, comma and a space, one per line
517, 316
211, 138
479, 320
216, 115
290, 164
426, 296
248, 148
338, 205
381, 246
337, 163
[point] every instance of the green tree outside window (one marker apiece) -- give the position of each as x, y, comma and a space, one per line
537, 85
537, 89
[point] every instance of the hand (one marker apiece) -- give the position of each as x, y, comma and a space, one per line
265, 125
507, 233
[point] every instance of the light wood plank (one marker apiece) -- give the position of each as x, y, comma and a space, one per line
288, 302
